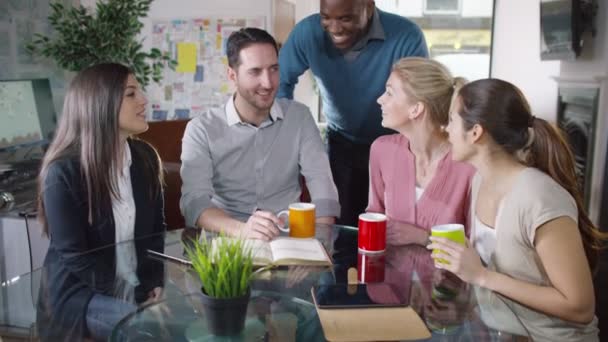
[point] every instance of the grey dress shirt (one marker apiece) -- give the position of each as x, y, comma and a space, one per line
237, 167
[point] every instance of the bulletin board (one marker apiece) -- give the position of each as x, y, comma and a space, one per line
199, 81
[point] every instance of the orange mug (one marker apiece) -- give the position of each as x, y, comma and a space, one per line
300, 219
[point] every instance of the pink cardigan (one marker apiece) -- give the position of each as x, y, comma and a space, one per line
446, 198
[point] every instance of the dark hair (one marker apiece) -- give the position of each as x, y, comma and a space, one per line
88, 130
244, 37
502, 110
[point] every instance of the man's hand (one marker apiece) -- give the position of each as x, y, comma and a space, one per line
261, 225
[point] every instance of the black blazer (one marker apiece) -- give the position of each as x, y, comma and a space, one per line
72, 274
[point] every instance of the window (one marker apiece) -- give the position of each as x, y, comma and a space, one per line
442, 6
458, 32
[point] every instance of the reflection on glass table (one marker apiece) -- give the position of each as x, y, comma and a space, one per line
281, 306
271, 316
447, 306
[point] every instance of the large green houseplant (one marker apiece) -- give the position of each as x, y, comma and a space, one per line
82, 39
225, 268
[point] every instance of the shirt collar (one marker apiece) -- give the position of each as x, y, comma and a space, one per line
233, 118
376, 31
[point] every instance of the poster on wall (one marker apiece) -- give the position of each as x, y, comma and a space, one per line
199, 82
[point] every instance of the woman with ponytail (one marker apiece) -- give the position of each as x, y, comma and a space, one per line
537, 243
413, 179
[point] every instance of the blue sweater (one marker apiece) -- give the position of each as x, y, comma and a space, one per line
349, 90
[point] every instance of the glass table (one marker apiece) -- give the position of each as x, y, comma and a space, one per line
281, 306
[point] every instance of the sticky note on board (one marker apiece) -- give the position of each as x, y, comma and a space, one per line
186, 57
168, 93
199, 75
182, 113
159, 115
218, 41
224, 88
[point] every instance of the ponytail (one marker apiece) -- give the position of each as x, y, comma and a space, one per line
550, 152
457, 84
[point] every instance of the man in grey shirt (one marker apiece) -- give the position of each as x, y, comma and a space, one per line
241, 164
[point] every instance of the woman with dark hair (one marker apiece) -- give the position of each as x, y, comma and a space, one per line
99, 187
530, 226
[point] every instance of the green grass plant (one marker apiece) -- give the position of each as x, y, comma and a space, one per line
225, 266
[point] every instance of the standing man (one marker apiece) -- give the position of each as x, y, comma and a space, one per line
350, 48
242, 163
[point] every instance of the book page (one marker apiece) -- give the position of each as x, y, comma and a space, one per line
298, 249
260, 250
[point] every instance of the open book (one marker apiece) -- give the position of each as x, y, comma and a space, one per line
286, 251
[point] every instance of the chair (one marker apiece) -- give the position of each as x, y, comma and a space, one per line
600, 283
166, 137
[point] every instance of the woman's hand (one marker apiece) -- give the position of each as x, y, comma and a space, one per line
445, 312
296, 274
461, 260
400, 233
447, 284
154, 295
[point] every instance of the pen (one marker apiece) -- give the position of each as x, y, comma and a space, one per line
168, 257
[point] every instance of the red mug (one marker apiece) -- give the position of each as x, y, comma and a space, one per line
372, 233
370, 267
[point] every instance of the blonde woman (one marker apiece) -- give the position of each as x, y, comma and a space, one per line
413, 179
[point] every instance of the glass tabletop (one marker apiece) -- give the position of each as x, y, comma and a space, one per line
271, 316
280, 307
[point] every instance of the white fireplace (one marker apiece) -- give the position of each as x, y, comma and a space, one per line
581, 111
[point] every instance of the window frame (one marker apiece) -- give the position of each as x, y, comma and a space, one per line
456, 11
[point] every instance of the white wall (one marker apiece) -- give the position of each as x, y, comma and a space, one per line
304, 91
516, 55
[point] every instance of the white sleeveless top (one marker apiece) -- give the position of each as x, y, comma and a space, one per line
419, 192
484, 240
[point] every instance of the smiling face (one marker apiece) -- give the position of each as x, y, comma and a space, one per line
346, 20
396, 105
132, 116
256, 77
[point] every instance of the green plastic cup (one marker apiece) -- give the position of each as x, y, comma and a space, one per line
452, 231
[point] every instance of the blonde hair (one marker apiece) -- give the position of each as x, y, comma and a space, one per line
431, 83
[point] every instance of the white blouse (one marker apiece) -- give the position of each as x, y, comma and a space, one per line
123, 209
419, 192
484, 240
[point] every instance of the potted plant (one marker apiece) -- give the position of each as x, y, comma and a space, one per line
225, 268
82, 39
